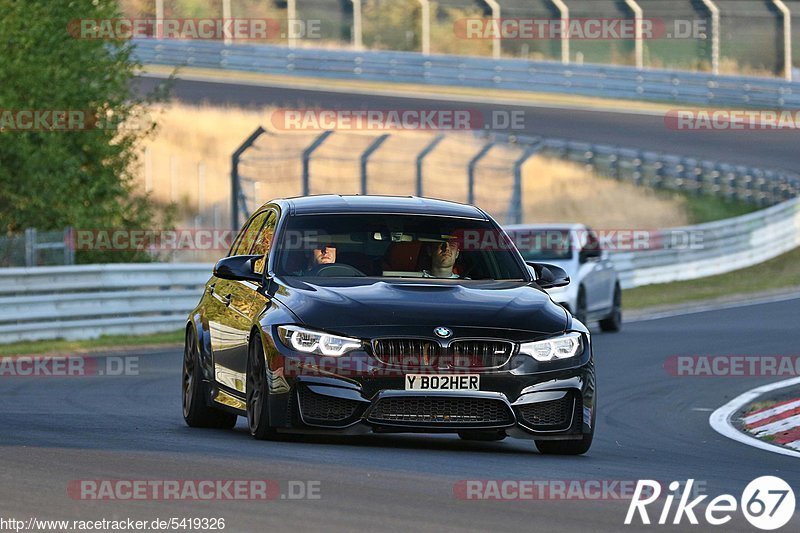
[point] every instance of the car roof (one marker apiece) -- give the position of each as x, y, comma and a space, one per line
413, 205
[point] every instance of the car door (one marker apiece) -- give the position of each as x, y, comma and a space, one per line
249, 299
591, 269
602, 273
237, 299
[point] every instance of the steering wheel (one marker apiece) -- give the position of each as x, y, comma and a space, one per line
465, 272
336, 270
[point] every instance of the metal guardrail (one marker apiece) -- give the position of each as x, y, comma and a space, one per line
75, 302
89, 301
757, 186
724, 246
619, 82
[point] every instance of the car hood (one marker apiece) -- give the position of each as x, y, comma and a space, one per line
342, 304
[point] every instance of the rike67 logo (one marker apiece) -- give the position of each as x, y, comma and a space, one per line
767, 503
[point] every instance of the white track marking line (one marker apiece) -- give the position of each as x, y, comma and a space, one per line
795, 445
776, 427
720, 420
769, 413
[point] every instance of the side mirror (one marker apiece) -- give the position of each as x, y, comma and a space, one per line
549, 276
592, 253
238, 268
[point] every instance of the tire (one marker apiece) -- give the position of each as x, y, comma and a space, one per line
196, 412
565, 447
481, 436
613, 322
580, 307
257, 391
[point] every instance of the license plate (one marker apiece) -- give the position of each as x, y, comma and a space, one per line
443, 382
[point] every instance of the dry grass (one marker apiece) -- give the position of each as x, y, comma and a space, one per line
553, 190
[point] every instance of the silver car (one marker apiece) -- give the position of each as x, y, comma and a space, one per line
594, 293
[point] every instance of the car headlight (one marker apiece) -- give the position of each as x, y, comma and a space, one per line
316, 342
562, 347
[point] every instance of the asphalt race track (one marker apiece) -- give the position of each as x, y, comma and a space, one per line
763, 149
650, 426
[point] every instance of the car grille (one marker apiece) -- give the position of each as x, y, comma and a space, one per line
550, 415
325, 410
440, 411
414, 353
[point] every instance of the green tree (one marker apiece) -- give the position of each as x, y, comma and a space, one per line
58, 178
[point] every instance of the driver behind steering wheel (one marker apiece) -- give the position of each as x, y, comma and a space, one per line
321, 254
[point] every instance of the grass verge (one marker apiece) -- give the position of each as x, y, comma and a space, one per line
778, 273
90, 345
701, 209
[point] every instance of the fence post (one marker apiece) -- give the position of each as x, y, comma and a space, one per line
638, 13
30, 247
471, 171
638, 174
291, 18
358, 27
235, 185
515, 215
425, 6
714, 10
371, 149
496, 43
307, 160
226, 16
563, 10
787, 38
69, 246
421, 158
159, 32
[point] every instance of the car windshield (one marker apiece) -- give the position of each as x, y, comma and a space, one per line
396, 246
542, 244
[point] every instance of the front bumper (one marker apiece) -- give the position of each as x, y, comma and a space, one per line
523, 402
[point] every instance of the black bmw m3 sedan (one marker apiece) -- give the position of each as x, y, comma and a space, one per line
358, 314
